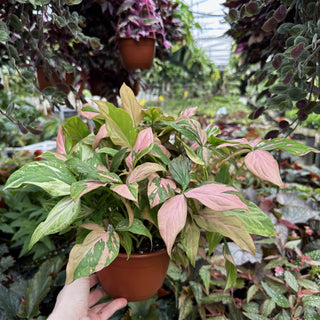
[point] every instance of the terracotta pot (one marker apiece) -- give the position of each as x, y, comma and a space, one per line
137, 54
136, 279
44, 80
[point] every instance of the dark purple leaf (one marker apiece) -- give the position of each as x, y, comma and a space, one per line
281, 13
269, 25
296, 52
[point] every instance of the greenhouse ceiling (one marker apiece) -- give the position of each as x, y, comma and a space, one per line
210, 15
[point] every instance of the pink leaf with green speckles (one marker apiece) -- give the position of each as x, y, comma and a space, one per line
262, 164
160, 189
97, 251
214, 196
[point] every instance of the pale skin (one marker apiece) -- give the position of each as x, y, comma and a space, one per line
76, 302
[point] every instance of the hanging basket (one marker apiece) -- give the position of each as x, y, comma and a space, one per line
137, 54
137, 278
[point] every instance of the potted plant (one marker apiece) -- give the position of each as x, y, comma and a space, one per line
141, 181
138, 29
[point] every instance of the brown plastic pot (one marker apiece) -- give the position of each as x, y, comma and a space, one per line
136, 54
137, 278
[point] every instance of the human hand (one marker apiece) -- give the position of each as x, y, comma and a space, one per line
75, 301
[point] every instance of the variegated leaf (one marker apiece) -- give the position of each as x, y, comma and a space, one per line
119, 125
143, 171
143, 145
131, 105
255, 220
59, 218
60, 141
127, 191
97, 251
89, 111
110, 177
291, 146
262, 164
53, 177
231, 227
214, 196
136, 227
171, 219
190, 237
102, 133
160, 189
79, 188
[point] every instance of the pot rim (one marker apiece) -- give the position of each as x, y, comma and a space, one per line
143, 255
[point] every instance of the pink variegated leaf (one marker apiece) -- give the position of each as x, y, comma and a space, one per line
214, 196
129, 192
262, 164
160, 189
97, 251
102, 133
241, 142
60, 141
142, 146
172, 218
190, 112
143, 171
202, 133
80, 188
89, 111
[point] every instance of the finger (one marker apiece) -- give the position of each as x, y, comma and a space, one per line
95, 296
111, 307
93, 280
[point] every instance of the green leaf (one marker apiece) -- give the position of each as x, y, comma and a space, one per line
74, 130
118, 124
308, 284
252, 291
297, 93
190, 237
291, 281
231, 227
277, 297
185, 309
217, 297
255, 316
311, 300
97, 251
130, 105
40, 285
117, 159
230, 267
213, 239
53, 177
179, 169
255, 221
9, 304
267, 307
291, 146
4, 32
197, 291
137, 227
205, 276
311, 314
109, 151
59, 218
